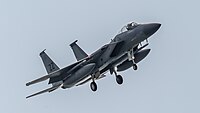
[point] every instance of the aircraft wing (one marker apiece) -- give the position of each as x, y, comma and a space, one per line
43, 91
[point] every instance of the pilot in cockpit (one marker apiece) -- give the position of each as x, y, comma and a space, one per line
131, 25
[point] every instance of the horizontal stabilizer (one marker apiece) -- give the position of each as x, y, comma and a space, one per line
38, 80
46, 90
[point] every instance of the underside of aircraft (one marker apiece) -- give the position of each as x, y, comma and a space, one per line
126, 50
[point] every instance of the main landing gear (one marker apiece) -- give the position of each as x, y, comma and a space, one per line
93, 86
119, 78
135, 67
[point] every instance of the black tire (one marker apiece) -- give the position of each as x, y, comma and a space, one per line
119, 79
93, 86
135, 67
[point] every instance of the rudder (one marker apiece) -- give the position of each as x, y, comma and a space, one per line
78, 52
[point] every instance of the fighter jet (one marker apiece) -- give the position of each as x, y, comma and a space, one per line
126, 50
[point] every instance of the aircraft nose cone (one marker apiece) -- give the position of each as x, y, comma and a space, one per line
150, 29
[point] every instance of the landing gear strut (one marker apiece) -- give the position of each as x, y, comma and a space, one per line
131, 58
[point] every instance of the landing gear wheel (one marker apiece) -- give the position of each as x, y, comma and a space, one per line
93, 86
135, 67
119, 79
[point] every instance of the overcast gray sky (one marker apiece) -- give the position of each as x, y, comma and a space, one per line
167, 80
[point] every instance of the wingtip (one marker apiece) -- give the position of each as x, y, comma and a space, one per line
29, 96
28, 84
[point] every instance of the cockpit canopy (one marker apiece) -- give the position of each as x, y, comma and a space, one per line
129, 26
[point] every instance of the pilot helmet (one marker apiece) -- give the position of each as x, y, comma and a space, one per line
129, 25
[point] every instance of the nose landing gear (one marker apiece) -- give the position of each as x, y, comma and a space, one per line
131, 58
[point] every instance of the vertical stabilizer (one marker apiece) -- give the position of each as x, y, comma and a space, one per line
78, 52
48, 63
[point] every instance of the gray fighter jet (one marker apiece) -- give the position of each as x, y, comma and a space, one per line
123, 52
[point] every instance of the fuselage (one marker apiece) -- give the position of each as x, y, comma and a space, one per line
102, 62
